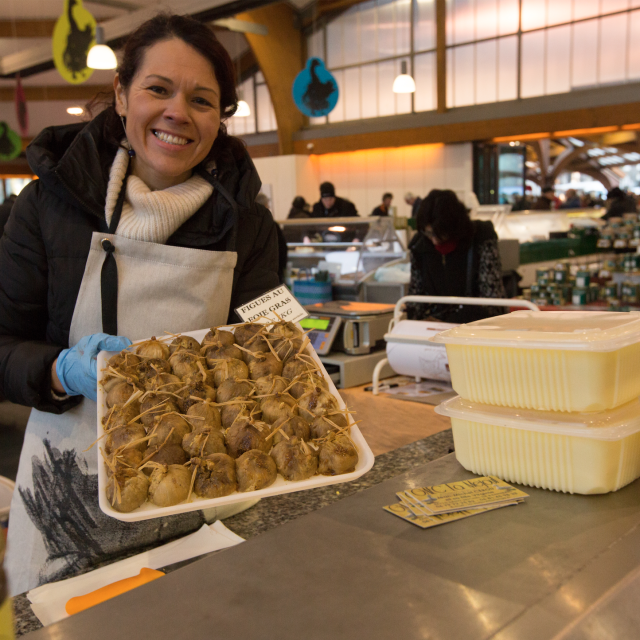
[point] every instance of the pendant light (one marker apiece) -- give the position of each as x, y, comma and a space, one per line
244, 111
404, 82
101, 56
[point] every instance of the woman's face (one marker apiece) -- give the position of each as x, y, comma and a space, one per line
172, 111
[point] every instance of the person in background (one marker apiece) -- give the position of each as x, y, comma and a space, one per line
5, 210
572, 200
452, 255
619, 202
546, 201
330, 206
383, 209
413, 202
299, 208
154, 190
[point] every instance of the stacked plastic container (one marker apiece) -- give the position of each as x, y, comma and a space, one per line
548, 399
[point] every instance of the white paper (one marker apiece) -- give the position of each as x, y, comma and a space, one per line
278, 301
48, 601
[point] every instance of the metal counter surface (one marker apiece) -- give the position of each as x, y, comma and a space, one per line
351, 570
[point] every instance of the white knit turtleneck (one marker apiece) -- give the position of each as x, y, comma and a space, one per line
152, 216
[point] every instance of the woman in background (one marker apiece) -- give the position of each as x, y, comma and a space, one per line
452, 255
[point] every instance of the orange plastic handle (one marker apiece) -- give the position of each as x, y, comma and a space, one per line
80, 603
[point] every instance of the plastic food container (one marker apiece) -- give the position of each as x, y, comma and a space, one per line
148, 510
547, 360
569, 452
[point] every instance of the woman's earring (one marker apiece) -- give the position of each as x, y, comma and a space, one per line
130, 151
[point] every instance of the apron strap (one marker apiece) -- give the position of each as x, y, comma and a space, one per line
109, 273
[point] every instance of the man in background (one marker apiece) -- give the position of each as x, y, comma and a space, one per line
383, 209
546, 201
330, 206
413, 202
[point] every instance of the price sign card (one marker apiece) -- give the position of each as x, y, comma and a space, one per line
277, 304
426, 522
466, 494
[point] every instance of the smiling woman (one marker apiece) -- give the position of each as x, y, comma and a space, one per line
144, 220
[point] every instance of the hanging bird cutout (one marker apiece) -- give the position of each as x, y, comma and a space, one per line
315, 90
10, 143
73, 36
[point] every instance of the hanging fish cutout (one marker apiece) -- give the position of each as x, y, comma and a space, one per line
10, 143
315, 90
73, 36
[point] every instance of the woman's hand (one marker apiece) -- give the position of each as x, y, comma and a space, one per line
75, 370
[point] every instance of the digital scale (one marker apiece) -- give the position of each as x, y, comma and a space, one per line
349, 338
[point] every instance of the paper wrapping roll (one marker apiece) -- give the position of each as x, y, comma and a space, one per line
419, 358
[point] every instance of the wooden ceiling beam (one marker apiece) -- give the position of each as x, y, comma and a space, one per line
516, 128
26, 28
64, 92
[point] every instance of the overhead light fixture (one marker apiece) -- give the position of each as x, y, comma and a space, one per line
243, 111
101, 56
404, 83
75, 111
337, 229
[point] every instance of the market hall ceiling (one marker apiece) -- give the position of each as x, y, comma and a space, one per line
28, 22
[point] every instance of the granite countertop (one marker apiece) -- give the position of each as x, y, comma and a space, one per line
272, 512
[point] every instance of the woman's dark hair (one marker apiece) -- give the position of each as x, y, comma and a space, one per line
166, 26
445, 214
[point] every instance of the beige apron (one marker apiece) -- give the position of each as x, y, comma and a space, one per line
56, 527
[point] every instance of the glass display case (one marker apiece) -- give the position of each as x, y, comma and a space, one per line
350, 248
531, 225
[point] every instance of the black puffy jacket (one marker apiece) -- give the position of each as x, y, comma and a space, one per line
46, 243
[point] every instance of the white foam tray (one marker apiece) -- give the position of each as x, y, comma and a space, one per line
148, 510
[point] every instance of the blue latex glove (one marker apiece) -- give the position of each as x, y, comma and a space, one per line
77, 367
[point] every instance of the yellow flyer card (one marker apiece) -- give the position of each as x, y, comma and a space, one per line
426, 522
465, 494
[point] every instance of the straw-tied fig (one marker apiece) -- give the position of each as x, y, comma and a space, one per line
154, 405
295, 459
193, 393
337, 455
169, 428
215, 475
216, 352
153, 349
181, 343
204, 414
169, 485
245, 435
130, 436
291, 427
150, 367
218, 337
204, 441
270, 384
331, 421
240, 407
121, 392
230, 389
184, 363
264, 364
170, 453
121, 414
230, 369
280, 405
164, 383
127, 489
255, 470
246, 331
316, 402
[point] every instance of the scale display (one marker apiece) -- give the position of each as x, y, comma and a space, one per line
323, 332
